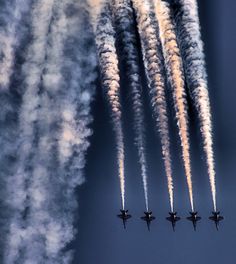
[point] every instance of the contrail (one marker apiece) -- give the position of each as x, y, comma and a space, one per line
175, 74
105, 40
154, 70
10, 34
189, 36
32, 70
124, 18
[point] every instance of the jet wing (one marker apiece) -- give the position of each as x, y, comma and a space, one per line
173, 219
198, 218
148, 219
220, 218
124, 217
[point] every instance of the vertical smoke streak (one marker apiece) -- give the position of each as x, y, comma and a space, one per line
108, 61
32, 70
73, 98
44, 226
80, 70
59, 135
13, 28
176, 78
10, 18
189, 36
154, 70
123, 14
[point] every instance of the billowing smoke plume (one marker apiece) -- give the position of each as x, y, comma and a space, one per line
108, 60
32, 70
13, 27
175, 74
125, 26
189, 36
53, 126
153, 63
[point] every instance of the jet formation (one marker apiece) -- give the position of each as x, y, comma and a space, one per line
173, 218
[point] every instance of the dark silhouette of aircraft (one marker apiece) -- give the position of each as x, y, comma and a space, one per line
173, 218
194, 219
148, 218
124, 216
216, 218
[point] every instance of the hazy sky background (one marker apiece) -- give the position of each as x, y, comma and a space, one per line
101, 237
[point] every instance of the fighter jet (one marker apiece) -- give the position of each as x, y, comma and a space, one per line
194, 219
173, 218
216, 218
124, 216
148, 218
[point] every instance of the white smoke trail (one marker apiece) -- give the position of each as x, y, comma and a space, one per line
105, 40
13, 26
95, 9
154, 70
10, 18
32, 70
188, 28
44, 227
124, 18
68, 71
174, 68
